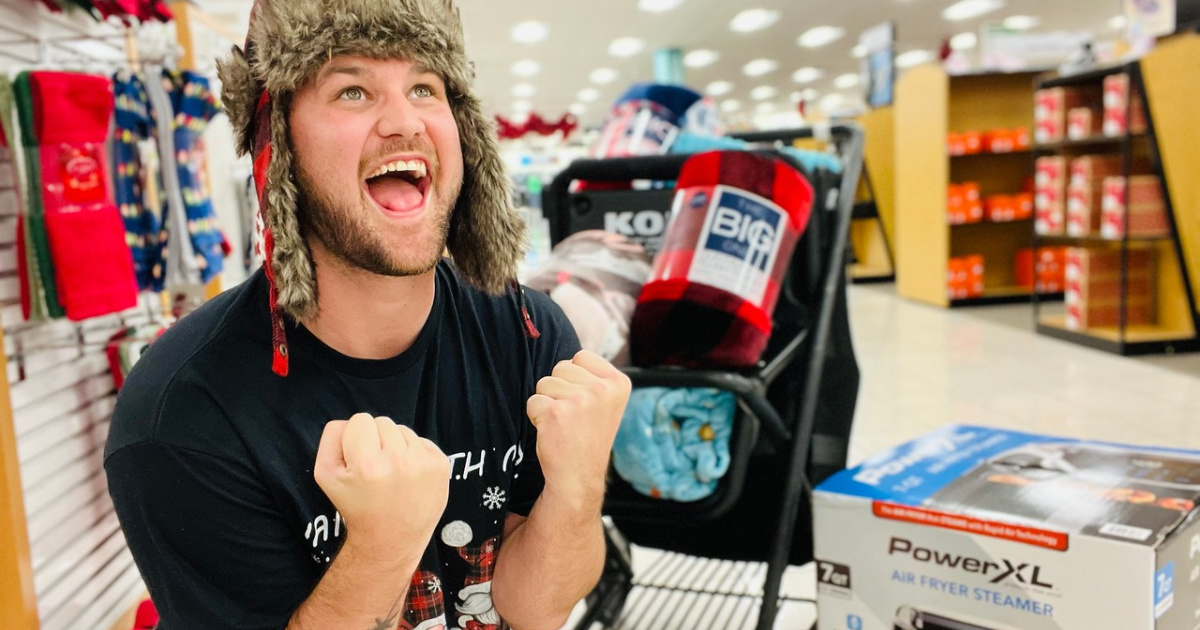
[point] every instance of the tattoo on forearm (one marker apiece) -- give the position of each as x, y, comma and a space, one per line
389, 622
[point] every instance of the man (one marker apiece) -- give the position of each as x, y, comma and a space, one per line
362, 435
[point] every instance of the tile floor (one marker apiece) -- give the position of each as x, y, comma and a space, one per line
924, 367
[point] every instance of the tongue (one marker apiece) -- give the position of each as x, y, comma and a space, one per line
394, 194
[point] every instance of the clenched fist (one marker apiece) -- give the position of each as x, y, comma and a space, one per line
577, 410
389, 484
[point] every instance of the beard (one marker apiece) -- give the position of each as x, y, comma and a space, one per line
344, 228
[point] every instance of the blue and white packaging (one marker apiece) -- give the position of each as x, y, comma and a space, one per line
973, 528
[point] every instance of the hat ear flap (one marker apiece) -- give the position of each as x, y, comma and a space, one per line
239, 95
487, 236
291, 261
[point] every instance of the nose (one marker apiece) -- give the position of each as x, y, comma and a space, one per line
399, 118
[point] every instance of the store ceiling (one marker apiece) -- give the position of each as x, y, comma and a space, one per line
580, 33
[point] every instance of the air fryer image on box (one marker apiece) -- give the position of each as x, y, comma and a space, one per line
1136, 496
910, 618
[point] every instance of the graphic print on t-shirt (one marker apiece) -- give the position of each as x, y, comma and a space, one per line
425, 608
475, 608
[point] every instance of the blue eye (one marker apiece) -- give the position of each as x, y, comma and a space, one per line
352, 94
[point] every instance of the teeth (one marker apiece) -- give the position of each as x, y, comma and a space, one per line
416, 166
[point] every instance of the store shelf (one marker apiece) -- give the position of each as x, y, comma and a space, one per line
1138, 339
995, 154
1084, 78
996, 295
1096, 239
1094, 142
987, 222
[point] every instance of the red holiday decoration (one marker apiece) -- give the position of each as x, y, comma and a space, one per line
510, 130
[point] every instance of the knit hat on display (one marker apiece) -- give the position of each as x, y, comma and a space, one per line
288, 43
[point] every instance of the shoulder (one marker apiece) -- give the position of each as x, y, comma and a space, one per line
174, 385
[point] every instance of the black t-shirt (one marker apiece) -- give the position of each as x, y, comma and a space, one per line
210, 457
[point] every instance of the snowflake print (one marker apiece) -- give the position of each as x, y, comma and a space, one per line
435, 584
494, 498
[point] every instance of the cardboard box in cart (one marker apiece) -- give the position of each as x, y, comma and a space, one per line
975, 528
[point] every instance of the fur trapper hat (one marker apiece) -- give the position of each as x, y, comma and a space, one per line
288, 43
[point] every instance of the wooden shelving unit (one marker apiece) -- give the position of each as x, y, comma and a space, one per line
929, 105
1171, 143
872, 232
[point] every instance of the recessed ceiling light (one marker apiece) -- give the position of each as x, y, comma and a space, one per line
603, 76
964, 41
578, 109
846, 81
530, 32
626, 47
820, 36
759, 67
731, 105
796, 96
1117, 23
764, 108
701, 58
587, 95
1022, 22
763, 92
913, 58
752, 20
832, 102
967, 9
807, 75
718, 88
523, 90
522, 106
526, 68
810, 94
658, 6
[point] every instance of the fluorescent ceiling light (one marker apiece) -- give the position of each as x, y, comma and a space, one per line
858, 52
968, 9
796, 96
763, 92
587, 95
764, 108
731, 105
718, 88
964, 41
759, 67
913, 58
658, 6
846, 81
810, 94
1117, 23
701, 58
526, 68
523, 90
626, 47
530, 32
603, 76
820, 36
522, 106
752, 20
807, 75
578, 109
1022, 22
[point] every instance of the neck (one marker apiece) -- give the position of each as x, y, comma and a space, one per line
365, 315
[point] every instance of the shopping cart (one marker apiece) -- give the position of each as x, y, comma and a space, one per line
796, 405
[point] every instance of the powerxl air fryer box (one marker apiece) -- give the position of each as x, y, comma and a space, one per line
973, 528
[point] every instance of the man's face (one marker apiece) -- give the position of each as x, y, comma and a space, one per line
378, 163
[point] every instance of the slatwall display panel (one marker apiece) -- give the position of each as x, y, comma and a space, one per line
62, 398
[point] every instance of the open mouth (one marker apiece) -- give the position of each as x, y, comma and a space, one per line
399, 187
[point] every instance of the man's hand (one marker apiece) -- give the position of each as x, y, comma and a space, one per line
577, 410
389, 484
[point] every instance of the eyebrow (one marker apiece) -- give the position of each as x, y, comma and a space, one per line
347, 69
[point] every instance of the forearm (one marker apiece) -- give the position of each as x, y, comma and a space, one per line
360, 591
549, 563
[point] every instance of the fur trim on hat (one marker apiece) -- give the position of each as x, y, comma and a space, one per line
290, 40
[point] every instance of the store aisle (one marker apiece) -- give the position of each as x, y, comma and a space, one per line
922, 368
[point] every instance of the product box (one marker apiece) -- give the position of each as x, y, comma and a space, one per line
964, 277
1093, 288
1082, 123
1117, 116
1140, 209
1050, 194
1050, 107
1084, 191
1006, 140
1051, 269
972, 528
963, 203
